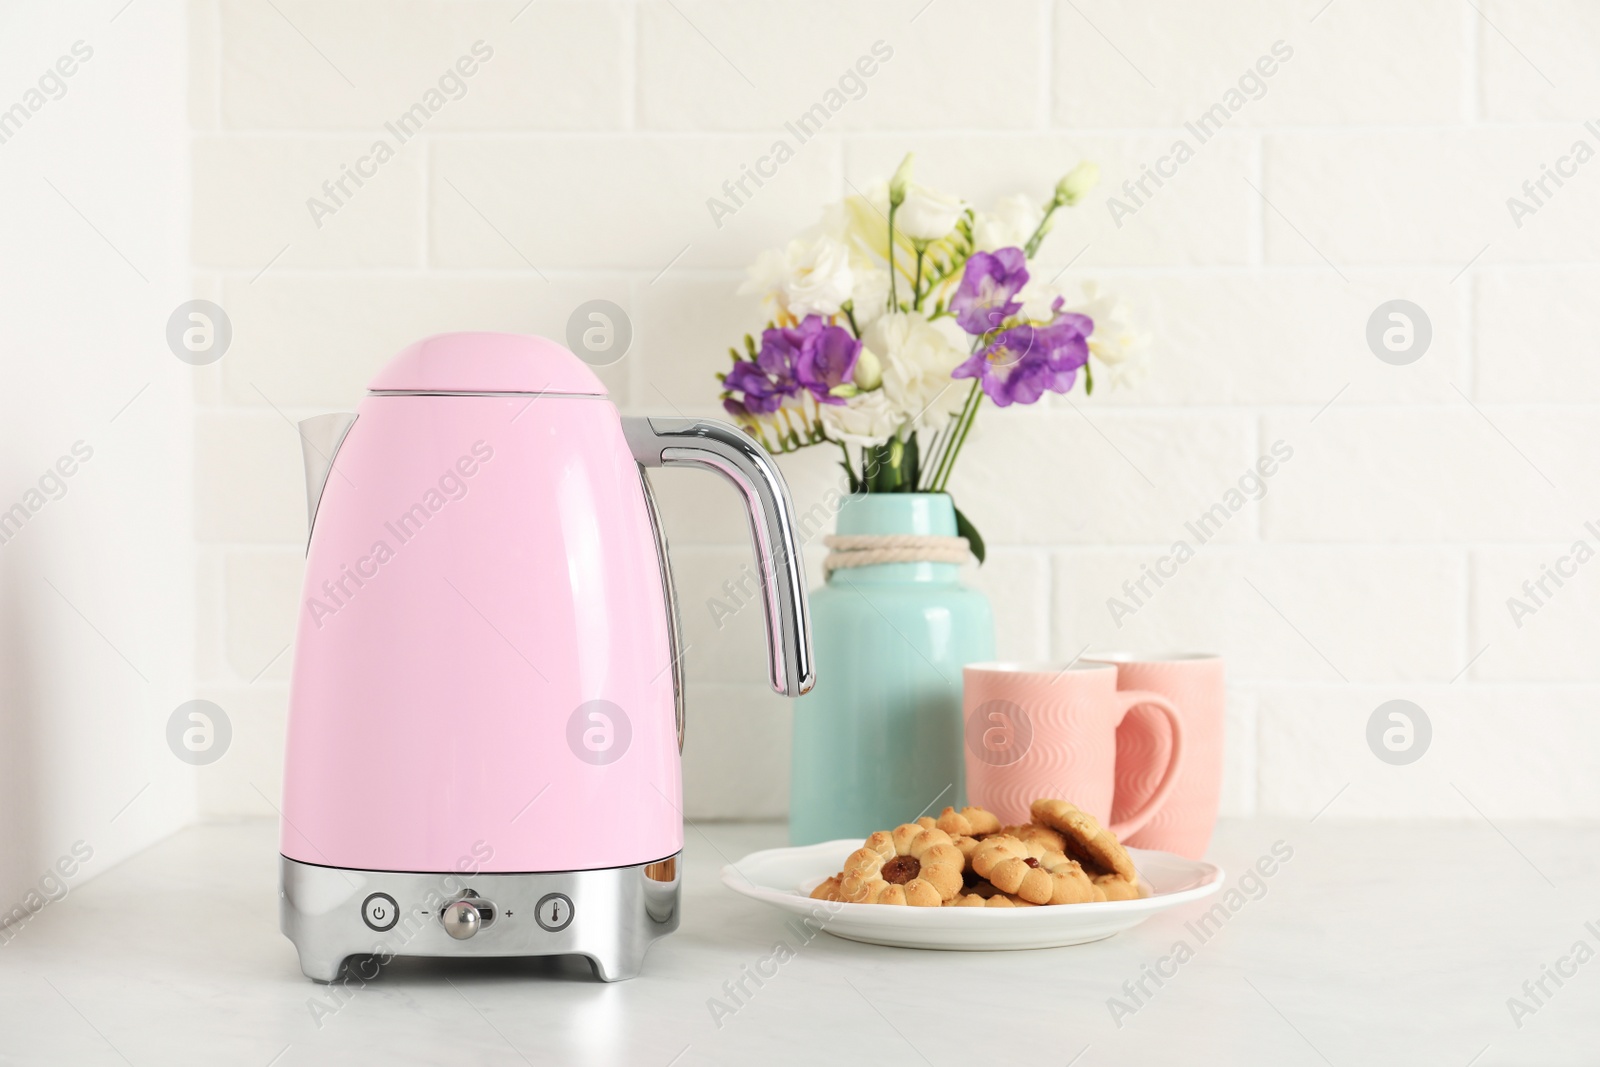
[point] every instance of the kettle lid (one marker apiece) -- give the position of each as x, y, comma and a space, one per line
473, 362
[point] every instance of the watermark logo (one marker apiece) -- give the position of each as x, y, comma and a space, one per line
1399, 332
599, 732
737, 993
999, 732
199, 732
1539, 590
399, 925
50, 887
449, 86
339, 590
1537, 192
1251, 486
199, 332
851, 85
1251, 886
51, 85
1537, 992
599, 332
1250, 85
51, 486
1399, 732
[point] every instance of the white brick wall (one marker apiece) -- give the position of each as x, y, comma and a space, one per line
1374, 165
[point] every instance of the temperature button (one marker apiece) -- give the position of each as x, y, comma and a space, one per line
379, 912
554, 912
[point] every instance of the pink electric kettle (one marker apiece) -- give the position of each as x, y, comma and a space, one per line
486, 713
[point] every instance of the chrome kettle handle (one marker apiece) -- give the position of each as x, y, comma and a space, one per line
661, 442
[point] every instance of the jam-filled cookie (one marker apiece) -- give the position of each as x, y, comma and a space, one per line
968, 822
1037, 875
1087, 841
907, 865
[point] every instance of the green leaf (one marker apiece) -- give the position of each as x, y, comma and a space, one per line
1088, 379
964, 528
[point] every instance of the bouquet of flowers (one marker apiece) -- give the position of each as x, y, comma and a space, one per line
882, 314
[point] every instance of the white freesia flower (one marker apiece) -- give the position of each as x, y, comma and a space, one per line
855, 223
927, 214
1117, 343
1038, 300
918, 357
866, 419
810, 275
1008, 225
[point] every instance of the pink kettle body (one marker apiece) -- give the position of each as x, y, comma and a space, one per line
486, 682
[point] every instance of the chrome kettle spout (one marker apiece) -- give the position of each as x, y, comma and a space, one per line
320, 438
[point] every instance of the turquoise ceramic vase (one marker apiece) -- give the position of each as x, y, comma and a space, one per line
879, 739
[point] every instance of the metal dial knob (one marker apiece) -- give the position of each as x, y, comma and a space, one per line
461, 919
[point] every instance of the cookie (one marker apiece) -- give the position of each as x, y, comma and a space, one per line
907, 865
1035, 874
1034, 833
1088, 842
1115, 887
998, 900
829, 889
966, 846
968, 822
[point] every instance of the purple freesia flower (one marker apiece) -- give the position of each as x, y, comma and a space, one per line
762, 396
989, 285
1021, 364
827, 358
814, 356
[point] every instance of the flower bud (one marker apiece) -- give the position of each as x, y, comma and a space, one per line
869, 370
1077, 182
897, 184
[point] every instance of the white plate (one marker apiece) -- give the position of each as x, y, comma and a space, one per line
783, 877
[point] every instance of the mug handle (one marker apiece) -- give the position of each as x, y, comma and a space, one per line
1129, 699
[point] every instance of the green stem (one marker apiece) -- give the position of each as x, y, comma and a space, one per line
1037, 238
963, 426
916, 285
850, 317
894, 298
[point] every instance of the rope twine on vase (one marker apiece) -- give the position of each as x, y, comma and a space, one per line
865, 550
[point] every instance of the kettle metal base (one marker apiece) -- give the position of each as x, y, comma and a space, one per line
610, 916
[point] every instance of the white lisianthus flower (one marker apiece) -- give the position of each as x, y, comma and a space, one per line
820, 276
1009, 225
918, 357
870, 297
1077, 183
766, 277
866, 419
810, 275
927, 214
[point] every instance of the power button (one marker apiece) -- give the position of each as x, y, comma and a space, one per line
380, 912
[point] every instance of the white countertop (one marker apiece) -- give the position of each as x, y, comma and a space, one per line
1376, 943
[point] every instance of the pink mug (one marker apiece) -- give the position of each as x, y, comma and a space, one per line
1195, 681
1050, 730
